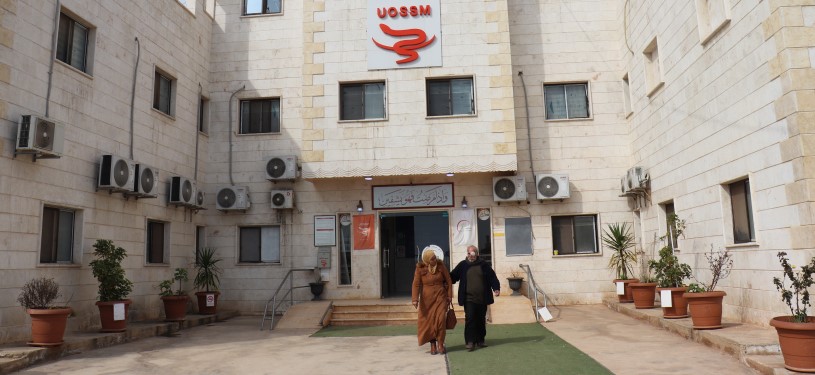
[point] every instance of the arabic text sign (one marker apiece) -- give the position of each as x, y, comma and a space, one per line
413, 196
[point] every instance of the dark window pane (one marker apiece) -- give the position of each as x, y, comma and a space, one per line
577, 101
554, 99
351, 102
742, 215
438, 98
562, 235
272, 6
374, 100
155, 242
345, 249
585, 235
250, 244
79, 46
48, 239
260, 116
64, 38
65, 236
462, 96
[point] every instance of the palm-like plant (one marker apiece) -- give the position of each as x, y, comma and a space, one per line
619, 238
207, 270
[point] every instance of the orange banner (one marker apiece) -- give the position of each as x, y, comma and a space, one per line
364, 232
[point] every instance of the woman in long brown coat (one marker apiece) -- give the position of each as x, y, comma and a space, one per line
432, 293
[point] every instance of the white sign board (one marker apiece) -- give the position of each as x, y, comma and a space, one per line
210, 300
325, 230
404, 34
545, 314
665, 298
620, 288
118, 311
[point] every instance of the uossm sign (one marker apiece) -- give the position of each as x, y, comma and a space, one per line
404, 34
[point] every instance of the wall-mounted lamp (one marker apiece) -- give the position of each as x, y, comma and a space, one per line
450, 174
359, 206
368, 178
463, 202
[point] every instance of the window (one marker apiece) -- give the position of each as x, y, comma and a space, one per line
73, 42
484, 229
260, 244
260, 116
156, 241
742, 207
345, 248
251, 7
57, 240
626, 96
712, 16
450, 97
362, 101
203, 114
671, 226
163, 93
653, 72
574, 234
566, 101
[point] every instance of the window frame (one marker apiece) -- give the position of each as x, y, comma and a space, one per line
711, 21
75, 241
363, 85
272, 100
587, 88
242, 258
672, 240
745, 208
595, 237
90, 42
264, 4
149, 240
203, 114
653, 67
449, 81
171, 86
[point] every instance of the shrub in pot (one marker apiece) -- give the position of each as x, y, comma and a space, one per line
207, 280
796, 332
669, 274
618, 237
175, 302
704, 302
114, 286
47, 321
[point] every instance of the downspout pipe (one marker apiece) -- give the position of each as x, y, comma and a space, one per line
229, 131
528, 126
197, 122
53, 56
133, 94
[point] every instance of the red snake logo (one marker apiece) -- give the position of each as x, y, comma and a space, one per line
405, 47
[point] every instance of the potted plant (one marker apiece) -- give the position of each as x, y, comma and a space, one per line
704, 302
796, 332
47, 321
515, 280
317, 286
175, 302
620, 240
644, 290
207, 278
114, 286
669, 273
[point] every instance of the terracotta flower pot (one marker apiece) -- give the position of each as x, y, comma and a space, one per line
644, 294
175, 307
797, 341
706, 309
106, 316
207, 306
679, 308
48, 326
627, 297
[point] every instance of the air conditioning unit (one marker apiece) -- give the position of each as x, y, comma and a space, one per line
637, 179
624, 184
510, 188
40, 136
552, 186
198, 201
283, 198
233, 198
146, 182
117, 174
182, 191
281, 168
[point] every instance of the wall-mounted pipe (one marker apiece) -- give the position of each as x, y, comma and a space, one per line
133, 93
528, 126
229, 130
197, 122
53, 56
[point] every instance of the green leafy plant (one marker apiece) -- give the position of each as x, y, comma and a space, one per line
618, 237
107, 269
720, 263
668, 271
166, 286
799, 282
39, 293
676, 229
695, 288
207, 271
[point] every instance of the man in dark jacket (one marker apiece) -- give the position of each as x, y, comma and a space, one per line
475, 293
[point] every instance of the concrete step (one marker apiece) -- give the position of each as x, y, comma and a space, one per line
384, 312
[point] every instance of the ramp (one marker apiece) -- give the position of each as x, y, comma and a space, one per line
512, 310
304, 315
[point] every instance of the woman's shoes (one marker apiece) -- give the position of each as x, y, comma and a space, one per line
442, 349
433, 348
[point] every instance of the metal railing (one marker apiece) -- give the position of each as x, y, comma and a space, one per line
534, 292
277, 299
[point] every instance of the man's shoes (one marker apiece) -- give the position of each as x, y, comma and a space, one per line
470, 347
481, 345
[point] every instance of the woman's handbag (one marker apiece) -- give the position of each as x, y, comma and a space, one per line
451, 318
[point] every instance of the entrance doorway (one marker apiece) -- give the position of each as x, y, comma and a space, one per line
402, 236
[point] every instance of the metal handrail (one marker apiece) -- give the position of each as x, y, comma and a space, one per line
533, 289
289, 294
